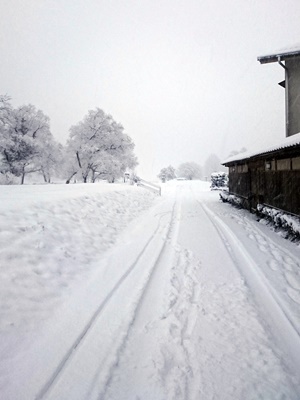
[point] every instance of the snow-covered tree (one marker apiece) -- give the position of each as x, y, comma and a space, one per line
69, 167
189, 170
24, 137
5, 110
167, 174
50, 159
100, 148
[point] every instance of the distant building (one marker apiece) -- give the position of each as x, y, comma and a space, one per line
272, 176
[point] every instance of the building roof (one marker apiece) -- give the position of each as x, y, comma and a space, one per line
281, 55
288, 142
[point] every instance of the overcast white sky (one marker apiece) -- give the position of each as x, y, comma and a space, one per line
181, 76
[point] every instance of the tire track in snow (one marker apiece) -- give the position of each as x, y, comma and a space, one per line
88, 329
275, 311
171, 365
169, 237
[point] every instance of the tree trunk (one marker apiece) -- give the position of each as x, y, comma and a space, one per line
93, 176
45, 177
69, 179
23, 177
78, 159
84, 176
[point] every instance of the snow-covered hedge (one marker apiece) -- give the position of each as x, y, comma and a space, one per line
281, 220
287, 223
232, 199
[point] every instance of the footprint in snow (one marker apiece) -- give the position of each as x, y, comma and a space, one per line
273, 264
263, 248
290, 262
277, 255
174, 331
294, 294
293, 280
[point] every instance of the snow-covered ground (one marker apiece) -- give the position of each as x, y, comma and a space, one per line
110, 292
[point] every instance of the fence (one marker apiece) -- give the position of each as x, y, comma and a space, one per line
150, 186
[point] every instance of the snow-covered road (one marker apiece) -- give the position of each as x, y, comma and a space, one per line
194, 300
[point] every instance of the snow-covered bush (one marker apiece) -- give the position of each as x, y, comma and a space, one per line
281, 221
288, 224
219, 181
232, 199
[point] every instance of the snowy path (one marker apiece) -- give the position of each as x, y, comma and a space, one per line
200, 335
195, 300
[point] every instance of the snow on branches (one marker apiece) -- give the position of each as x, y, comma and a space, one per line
25, 142
189, 170
167, 174
99, 149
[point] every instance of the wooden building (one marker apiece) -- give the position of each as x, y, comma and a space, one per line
272, 176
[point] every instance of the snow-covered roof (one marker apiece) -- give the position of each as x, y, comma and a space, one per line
283, 54
290, 141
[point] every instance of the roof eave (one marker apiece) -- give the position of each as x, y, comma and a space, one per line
278, 56
236, 161
268, 153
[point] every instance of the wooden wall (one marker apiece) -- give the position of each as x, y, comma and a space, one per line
275, 182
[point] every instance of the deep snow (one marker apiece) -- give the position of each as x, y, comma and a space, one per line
110, 292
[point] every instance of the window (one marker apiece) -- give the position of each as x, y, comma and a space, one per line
296, 163
242, 168
284, 165
270, 165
